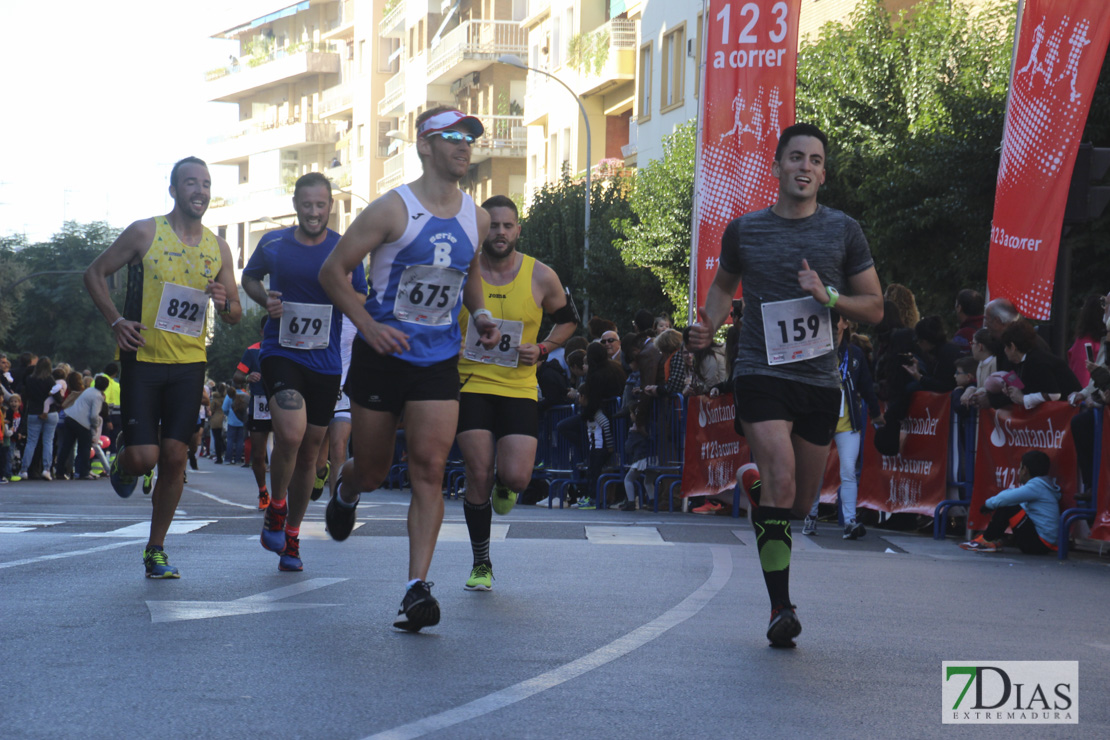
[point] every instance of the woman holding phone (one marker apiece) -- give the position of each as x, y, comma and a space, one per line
1089, 332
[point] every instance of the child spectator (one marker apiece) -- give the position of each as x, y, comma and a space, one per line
965, 374
985, 349
1031, 511
58, 391
5, 448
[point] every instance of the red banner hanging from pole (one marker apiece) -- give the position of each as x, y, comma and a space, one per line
1060, 48
751, 57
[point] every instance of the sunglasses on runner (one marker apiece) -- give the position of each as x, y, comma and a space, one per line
455, 137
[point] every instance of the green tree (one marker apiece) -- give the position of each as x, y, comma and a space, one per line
11, 272
914, 110
552, 231
229, 341
54, 315
658, 234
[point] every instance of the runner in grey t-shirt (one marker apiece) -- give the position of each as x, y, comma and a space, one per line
794, 258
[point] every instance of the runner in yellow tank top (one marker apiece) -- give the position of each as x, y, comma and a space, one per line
498, 412
175, 266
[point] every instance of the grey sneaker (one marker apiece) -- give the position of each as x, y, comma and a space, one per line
810, 526
854, 530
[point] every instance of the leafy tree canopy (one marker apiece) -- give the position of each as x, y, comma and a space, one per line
52, 314
658, 235
552, 231
914, 110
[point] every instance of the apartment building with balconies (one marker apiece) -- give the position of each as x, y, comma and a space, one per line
590, 46
448, 52
305, 80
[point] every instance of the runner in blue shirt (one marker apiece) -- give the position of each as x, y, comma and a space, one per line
300, 357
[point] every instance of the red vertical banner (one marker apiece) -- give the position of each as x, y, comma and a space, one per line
713, 448
751, 58
913, 481
1007, 434
1101, 528
1060, 48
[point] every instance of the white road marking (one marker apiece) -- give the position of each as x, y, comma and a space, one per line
688, 607
75, 553
600, 535
142, 529
251, 507
267, 601
457, 532
15, 526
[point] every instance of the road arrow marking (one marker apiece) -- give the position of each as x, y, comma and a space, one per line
267, 601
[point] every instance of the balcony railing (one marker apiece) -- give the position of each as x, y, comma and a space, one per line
480, 39
622, 33
393, 17
394, 93
631, 147
393, 172
502, 132
245, 192
340, 176
257, 60
535, 7
346, 16
336, 98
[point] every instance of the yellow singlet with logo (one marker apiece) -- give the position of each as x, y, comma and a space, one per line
513, 302
169, 260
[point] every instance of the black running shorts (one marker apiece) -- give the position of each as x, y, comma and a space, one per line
155, 394
498, 414
318, 390
814, 410
385, 383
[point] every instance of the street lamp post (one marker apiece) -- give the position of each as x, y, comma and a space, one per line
514, 61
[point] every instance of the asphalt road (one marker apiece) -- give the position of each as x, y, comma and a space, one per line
600, 625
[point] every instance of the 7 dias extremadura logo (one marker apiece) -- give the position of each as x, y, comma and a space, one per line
1010, 692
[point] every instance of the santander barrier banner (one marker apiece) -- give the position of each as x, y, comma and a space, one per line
713, 448
1059, 53
914, 480
1007, 434
1101, 528
750, 58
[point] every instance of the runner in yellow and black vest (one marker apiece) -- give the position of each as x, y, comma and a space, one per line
175, 265
498, 410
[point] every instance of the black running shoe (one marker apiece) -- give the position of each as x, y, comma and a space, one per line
340, 519
419, 608
784, 627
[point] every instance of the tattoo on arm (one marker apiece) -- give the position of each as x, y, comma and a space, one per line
289, 400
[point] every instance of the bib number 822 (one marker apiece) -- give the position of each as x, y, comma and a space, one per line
800, 325
184, 310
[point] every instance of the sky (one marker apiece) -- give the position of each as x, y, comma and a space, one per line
101, 99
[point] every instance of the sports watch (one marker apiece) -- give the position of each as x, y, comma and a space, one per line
834, 296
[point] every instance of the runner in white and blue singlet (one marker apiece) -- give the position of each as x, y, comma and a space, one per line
423, 239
